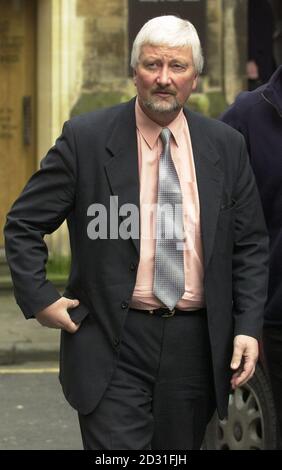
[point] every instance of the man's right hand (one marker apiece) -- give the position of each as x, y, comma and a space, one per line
56, 315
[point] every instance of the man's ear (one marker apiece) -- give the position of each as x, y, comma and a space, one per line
195, 83
134, 76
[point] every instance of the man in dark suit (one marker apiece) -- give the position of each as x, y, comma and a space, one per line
154, 324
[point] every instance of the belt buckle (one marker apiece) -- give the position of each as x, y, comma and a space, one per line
167, 315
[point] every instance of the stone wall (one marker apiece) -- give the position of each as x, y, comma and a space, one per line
105, 64
104, 41
234, 46
214, 41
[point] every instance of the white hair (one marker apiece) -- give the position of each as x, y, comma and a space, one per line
168, 31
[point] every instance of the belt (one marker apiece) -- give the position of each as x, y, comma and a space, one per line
166, 313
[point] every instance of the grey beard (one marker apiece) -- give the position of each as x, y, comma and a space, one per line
162, 107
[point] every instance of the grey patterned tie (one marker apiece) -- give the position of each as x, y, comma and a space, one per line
169, 280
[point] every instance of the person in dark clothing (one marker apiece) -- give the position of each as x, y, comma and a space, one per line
260, 65
258, 116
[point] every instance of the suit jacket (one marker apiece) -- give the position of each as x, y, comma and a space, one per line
94, 158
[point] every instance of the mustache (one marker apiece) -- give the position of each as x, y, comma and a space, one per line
165, 90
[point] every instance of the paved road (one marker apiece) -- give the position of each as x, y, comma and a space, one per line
24, 340
34, 414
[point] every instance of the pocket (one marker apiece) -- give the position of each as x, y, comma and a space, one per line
79, 313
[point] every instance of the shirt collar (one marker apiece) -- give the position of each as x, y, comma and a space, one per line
150, 130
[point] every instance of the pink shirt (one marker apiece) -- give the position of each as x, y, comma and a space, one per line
149, 150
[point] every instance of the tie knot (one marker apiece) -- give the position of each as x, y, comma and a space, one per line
165, 136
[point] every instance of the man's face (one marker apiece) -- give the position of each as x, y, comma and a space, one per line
164, 77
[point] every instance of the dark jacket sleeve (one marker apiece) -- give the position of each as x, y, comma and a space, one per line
43, 205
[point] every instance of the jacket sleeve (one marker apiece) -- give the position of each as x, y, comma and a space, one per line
44, 204
250, 253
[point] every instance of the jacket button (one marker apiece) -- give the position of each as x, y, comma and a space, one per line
132, 267
124, 305
116, 342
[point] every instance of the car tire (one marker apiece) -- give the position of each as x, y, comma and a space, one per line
251, 423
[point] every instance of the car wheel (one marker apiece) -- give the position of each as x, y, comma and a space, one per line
251, 423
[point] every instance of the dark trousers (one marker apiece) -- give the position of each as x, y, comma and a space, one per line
272, 345
161, 395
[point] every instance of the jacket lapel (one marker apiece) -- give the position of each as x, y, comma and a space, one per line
122, 168
209, 180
